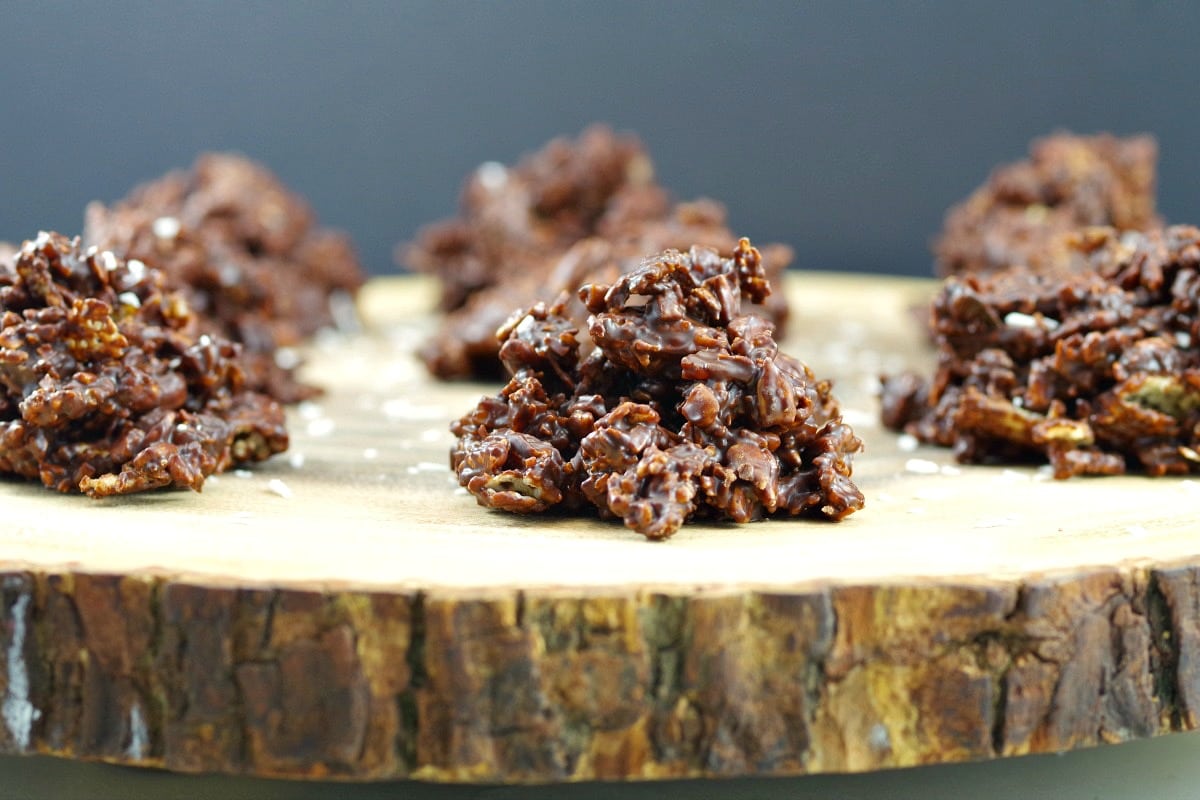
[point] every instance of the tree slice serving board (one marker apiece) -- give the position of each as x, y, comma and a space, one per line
345, 611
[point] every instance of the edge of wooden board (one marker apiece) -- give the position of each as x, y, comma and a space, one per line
530, 687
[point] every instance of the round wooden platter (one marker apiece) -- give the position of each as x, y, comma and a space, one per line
346, 611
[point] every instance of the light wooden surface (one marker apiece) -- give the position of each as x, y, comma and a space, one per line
345, 610
372, 502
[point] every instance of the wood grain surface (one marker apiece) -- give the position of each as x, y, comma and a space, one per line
344, 610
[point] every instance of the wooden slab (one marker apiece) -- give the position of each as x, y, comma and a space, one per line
344, 610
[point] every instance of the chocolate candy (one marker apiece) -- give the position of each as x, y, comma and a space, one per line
575, 212
247, 256
1018, 218
1095, 370
108, 384
671, 404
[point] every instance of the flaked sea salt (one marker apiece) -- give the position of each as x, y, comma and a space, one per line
492, 175
165, 227
922, 466
310, 410
287, 358
322, 426
1015, 319
1012, 476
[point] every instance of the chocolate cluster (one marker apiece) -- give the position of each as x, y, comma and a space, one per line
672, 403
1096, 371
577, 211
110, 384
1020, 216
246, 254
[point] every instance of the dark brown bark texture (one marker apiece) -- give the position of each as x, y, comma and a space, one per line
541, 686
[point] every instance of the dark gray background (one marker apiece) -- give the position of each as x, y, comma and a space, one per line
843, 128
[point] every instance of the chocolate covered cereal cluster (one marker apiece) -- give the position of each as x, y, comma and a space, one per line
671, 404
110, 384
575, 212
1020, 217
246, 254
1096, 370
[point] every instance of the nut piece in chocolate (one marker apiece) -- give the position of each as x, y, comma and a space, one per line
245, 252
671, 404
575, 212
1020, 216
1096, 371
108, 384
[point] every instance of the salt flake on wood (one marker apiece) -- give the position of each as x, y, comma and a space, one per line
320, 427
922, 466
